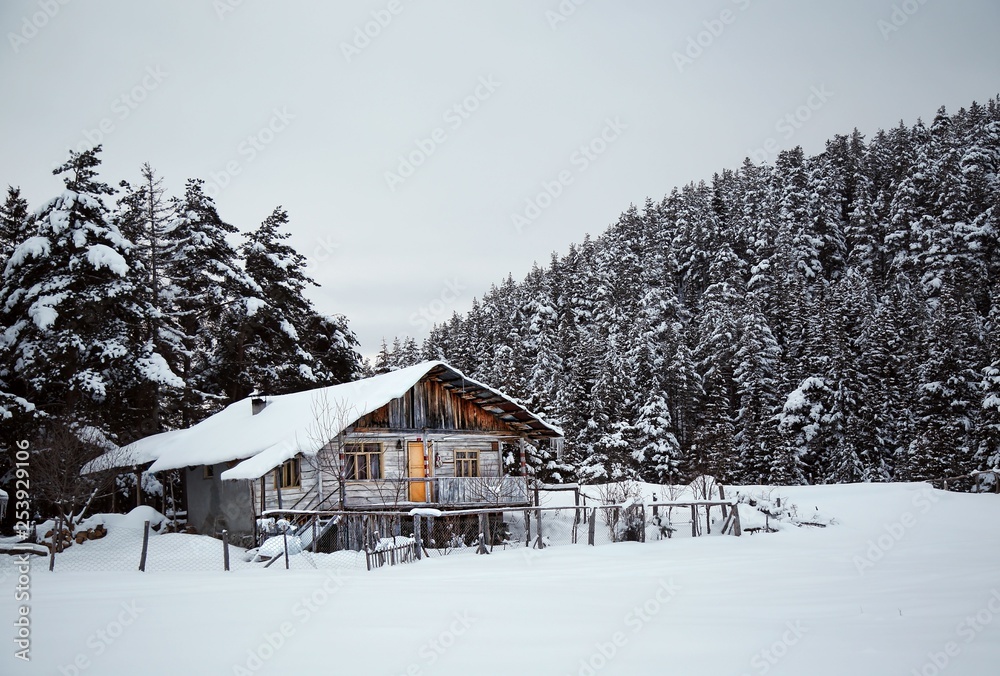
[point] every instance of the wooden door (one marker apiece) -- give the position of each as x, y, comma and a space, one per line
415, 453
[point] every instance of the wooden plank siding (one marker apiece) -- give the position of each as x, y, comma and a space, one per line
387, 491
429, 405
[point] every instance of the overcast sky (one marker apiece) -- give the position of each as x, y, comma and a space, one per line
426, 149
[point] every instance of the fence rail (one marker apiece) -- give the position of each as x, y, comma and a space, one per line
375, 539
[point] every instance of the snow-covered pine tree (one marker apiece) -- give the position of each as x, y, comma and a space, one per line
948, 387
76, 333
712, 447
206, 282
756, 378
143, 217
13, 223
988, 450
264, 344
383, 360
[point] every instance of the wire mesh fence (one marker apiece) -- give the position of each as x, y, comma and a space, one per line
372, 540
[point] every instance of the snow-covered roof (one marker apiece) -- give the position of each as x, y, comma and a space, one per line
304, 422
136, 454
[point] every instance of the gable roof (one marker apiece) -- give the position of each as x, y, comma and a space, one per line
290, 424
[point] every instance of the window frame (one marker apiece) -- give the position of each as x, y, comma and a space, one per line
290, 470
469, 461
208, 471
370, 450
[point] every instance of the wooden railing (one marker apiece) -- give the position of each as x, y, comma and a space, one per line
503, 490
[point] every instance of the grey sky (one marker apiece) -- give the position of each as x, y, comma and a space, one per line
283, 103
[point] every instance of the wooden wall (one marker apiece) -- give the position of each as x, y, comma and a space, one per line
385, 492
428, 405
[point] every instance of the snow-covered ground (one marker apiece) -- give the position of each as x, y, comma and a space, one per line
907, 581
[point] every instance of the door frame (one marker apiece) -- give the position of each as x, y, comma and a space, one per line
418, 491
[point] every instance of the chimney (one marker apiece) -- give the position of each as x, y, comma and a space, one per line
258, 402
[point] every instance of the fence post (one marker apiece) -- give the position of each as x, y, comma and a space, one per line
284, 539
592, 527
576, 513
527, 528
694, 521
737, 527
642, 523
417, 536
722, 497
56, 538
484, 528
538, 517
145, 546
225, 550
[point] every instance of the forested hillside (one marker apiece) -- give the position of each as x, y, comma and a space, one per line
826, 319
125, 318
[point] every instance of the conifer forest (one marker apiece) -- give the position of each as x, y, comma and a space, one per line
828, 318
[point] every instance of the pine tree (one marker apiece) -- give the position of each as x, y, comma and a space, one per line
207, 282
383, 361
13, 223
143, 217
949, 394
76, 332
756, 377
988, 451
265, 343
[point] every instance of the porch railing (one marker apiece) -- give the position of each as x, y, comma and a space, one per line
502, 491
505, 490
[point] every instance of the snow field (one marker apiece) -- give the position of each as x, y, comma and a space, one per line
906, 582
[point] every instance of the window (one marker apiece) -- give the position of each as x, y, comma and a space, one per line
208, 472
362, 461
290, 475
466, 463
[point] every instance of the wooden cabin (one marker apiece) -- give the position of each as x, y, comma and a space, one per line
423, 436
